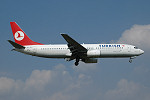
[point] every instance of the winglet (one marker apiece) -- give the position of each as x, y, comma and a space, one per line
16, 45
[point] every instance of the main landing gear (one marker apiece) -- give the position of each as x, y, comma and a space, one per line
77, 62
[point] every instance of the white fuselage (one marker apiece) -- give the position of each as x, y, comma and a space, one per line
87, 53
94, 50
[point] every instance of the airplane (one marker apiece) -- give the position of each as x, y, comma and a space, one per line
87, 53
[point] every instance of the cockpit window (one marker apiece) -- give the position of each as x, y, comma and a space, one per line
136, 47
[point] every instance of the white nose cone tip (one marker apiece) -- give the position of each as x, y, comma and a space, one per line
141, 51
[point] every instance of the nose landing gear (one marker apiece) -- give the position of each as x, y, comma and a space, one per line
130, 60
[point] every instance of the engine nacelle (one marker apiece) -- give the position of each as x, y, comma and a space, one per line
93, 53
90, 60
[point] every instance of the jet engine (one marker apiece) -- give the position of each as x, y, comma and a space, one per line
90, 60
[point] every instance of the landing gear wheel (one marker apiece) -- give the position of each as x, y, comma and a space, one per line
130, 60
76, 63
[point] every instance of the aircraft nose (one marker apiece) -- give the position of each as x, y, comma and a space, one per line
141, 51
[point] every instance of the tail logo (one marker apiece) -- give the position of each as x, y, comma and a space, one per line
19, 35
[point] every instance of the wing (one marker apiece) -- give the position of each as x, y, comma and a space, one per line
75, 48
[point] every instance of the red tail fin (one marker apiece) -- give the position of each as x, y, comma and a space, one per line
20, 36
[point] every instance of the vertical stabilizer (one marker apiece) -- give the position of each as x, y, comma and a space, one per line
20, 37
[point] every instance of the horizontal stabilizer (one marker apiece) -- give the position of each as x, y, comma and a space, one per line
16, 45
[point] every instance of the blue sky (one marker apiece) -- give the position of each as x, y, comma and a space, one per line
87, 21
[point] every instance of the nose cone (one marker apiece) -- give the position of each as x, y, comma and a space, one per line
141, 51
